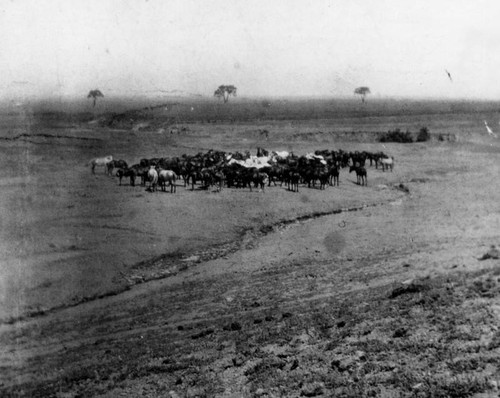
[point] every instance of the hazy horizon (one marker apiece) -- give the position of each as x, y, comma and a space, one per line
239, 99
275, 49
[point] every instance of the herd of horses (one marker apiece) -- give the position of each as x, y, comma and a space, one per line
218, 169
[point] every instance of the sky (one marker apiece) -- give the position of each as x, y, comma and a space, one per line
327, 48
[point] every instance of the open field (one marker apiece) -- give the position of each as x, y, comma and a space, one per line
111, 290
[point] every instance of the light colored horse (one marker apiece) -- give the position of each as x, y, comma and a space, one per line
152, 178
101, 162
169, 176
387, 163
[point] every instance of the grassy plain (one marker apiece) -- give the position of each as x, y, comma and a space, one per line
110, 290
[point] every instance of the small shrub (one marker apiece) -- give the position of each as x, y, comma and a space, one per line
423, 135
397, 136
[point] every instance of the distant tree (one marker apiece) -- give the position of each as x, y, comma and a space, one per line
94, 94
224, 92
219, 93
362, 91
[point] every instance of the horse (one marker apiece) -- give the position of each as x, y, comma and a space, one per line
101, 162
387, 163
292, 178
324, 179
334, 175
152, 178
259, 179
127, 173
169, 176
194, 176
218, 180
119, 164
140, 171
360, 174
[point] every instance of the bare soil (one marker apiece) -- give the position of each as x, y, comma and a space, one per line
111, 290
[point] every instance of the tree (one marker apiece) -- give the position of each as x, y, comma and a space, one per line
219, 93
94, 94
224, 92
362, 91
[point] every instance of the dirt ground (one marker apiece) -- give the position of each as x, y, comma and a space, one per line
111, 290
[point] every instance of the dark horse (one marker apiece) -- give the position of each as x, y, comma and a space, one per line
334, 175
361, 174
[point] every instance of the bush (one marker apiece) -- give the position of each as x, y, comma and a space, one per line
423, 135
397, 136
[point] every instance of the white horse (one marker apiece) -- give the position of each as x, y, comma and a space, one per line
152, 178
101, 162
387, 163
169, 176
